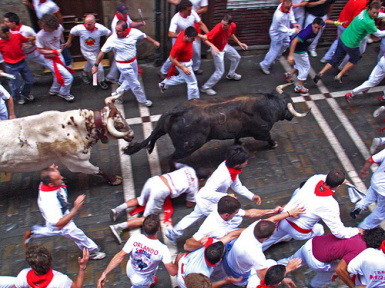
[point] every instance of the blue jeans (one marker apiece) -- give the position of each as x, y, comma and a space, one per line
20, 69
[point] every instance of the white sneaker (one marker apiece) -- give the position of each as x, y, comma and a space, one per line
162, 87
68, 97
323, 60
29, 97
97, 256
378, 111
235, 77
113, 215
148, 103
171, 235
52, 93
264, 70
208, 91
21, 101
116, 234
375, 144
313, 53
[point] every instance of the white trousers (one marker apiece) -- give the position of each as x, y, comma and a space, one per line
376, 76
7, 281
191, 80
284, 232
67, 77
70, 231
91, 59
219, 62
189, 219
302, 64
113, 74
309, 19
375, 218
37, 58
324, 270
277, 47
129, 79
153, 195
138, 280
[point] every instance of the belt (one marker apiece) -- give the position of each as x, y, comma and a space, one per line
299, 229
126, 61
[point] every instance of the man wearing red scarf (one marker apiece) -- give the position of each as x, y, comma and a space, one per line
223, 178
54, 207
41, 274
316, 196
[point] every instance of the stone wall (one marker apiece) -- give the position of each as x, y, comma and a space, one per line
17, 7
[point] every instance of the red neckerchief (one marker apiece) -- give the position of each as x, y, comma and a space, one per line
234, 172
382, 247
42, 1
46, 188
126, 33
39, 281
263, 285
121, 16
321, 190
283, 11
17, 28
92, 29
208, 243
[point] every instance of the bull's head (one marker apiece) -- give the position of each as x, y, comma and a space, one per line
116, 124
289, 102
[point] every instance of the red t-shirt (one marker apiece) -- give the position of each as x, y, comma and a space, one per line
182, 50
351, 9
327, 248
11, 48
220, 37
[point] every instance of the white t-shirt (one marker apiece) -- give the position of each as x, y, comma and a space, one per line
90, 41
48, 7
214, 226
178, 23
183, 180
378, 179
49, 40
50, 206
246, 253
26, 31
198, 4
146, 254
124, 48
369, 266
59, 280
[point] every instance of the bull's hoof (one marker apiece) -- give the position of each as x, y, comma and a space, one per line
117, 181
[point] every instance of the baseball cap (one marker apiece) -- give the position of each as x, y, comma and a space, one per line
122, 8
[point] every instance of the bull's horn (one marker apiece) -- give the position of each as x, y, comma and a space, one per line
295, 113
112, 98
280, 88
113, 131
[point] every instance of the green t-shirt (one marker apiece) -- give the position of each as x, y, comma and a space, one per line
361, 26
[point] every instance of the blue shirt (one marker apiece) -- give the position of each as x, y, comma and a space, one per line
306, 37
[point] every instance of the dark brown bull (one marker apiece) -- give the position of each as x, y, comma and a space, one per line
195, 122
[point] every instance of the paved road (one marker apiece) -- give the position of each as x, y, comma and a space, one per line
333, 135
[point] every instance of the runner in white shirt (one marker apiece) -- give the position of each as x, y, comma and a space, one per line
199, 6
369, 265
12, 20
123, 43
48, 44
146, 252
44, 7
90, 34
6, 100
186, 17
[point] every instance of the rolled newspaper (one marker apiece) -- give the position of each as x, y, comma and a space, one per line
95, 79
10, 76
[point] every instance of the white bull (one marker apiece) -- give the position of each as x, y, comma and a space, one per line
35, 142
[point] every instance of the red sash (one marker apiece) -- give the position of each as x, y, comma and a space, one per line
39, 281
126, 61
299, 229
55, 61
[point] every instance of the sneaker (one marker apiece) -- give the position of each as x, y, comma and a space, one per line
313, 53
29, 97
375, 144
103, 85
162, 87
378, 111
264, 70
171, 235
85, 78
113, 215
316, 78
302, 90
235, 77
68, 97
208, 91
116, 234
336, 78
97, 255
27, 238
288, 77
148, 103
21, 101
381, 98
198, 72
52, 93
349, 97
323, 60
355, 213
